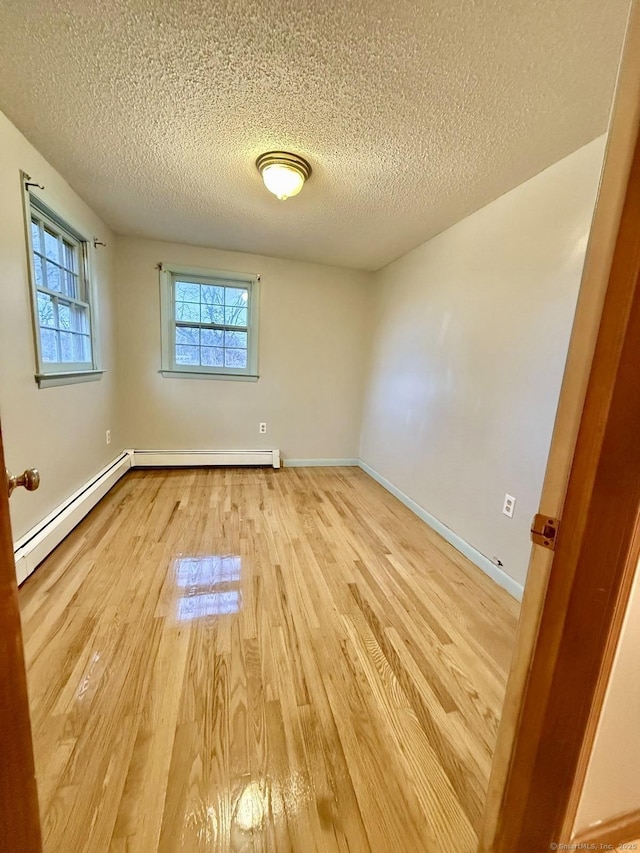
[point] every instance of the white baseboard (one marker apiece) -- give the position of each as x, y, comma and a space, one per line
495, 572
321, 463
31, 549
204, 458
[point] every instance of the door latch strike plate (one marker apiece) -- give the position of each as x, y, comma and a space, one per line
544, 531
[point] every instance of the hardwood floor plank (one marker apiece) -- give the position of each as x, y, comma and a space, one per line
260, 660
139, 819
416, 748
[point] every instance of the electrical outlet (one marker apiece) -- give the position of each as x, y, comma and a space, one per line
108, 436
509, 505
262, 428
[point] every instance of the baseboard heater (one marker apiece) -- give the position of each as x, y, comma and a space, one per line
204, 458
31, 549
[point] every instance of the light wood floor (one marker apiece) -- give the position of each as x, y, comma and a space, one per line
262, 660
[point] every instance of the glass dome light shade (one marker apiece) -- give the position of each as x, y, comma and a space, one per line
283, 174
282, 181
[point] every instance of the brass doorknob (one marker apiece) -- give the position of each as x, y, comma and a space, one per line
30, 479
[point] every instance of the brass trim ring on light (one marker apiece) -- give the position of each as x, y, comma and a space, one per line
284, 158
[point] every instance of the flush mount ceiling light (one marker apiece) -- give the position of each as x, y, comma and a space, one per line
283, 174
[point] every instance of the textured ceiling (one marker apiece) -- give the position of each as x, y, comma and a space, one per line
412, 114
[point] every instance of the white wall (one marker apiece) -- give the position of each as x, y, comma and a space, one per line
313, 324
59, 430
612, 784
468, 340
470, 336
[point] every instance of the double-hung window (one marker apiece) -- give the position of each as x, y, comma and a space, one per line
209, 323
61, 296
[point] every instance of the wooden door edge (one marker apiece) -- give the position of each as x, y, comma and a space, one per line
19, 811
593, 566
602, 683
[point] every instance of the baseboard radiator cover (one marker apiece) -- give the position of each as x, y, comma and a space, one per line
204, 458
32, 548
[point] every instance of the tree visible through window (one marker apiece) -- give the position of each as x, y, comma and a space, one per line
61, 294
211, 325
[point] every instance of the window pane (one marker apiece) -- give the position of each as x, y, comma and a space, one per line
66, 346
86, 347
71, 284
51, 245
211, 337
187, 292
213, 314
48, 338
81, 319
212, 295
53, 277
213, 356
35, 236
80, 348
235, 358
69, 256
235, 296
235, 339
187, 355
188, 311
37, 271
64, 316
46, 314
235, 316
187, 335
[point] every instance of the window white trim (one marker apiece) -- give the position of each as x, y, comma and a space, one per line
49, 373
198, 275
181, 374
52, 380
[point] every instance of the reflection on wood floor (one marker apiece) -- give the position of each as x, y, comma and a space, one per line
250, 659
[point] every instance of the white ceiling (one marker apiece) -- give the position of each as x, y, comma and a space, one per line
412, 114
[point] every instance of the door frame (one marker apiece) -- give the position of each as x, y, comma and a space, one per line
575, 597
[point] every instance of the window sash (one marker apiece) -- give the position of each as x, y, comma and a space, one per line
71, 261
63, 235
170, 364
218, 327
56, 294
75, 333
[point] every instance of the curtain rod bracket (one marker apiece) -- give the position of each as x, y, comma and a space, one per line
29, 183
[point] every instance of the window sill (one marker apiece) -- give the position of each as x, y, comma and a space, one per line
192, 374
52, 380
